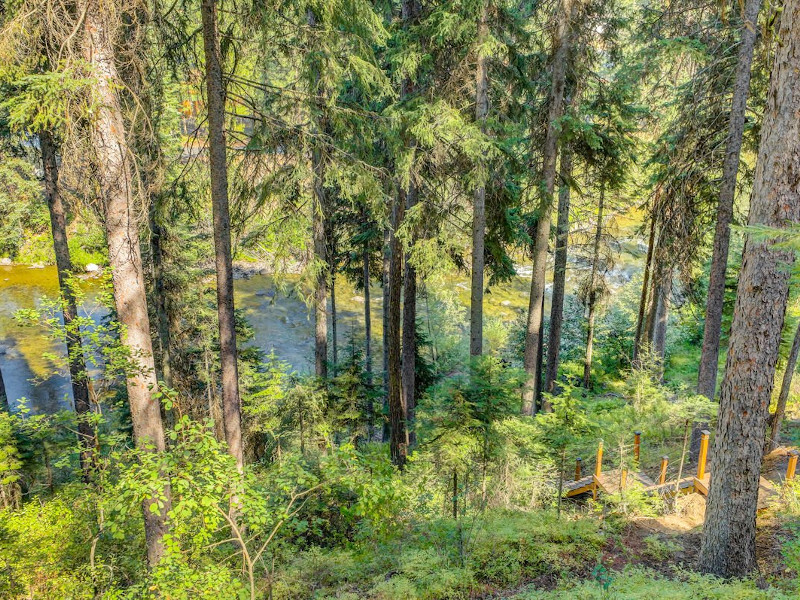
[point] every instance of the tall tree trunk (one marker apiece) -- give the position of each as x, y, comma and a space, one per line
537, 391
125, 258
398, 438
533, 337
592, 295
319, 218
87, 441
215, 90
479, 203
559, 273
409, 349
641, 329
660, 321
786, 385
729, 538
157, 235
707, 376
386, 281
368, 338
334, 336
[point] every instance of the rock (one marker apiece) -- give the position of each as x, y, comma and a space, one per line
358, 299
506, 303
5, 262
36, 266
91, 268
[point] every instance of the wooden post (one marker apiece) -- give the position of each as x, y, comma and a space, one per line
598, 465
623, 480
598, 468
578, 465
701, 461
663, 475
790, 469
637, 442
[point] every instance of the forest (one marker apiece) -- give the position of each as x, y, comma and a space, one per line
399, 299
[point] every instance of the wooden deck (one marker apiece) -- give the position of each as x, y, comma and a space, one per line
610, 482
766, 490
578, 487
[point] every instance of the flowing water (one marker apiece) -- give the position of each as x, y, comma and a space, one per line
280, 319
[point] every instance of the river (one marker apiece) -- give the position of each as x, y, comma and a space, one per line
279, 317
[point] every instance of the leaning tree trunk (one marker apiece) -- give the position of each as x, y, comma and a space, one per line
479, 203
533, 337
729, 539
786, 384
707, 376
409, 349
87, 441
215, 89
559, 274
125, 258
592, 295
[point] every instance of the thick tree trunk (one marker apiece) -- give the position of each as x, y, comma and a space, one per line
660, 321
124, 255
409, 349
729, 538
87, 441
559, 273
215, 90
786, 385
398, 438
640, 335
533, 336
538, 389
592, 295
707, 376
479, 203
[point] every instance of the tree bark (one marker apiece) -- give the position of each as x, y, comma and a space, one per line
660, 321
334, 336
479, 203
368, 338
398, 438
157, 235
386, 277
707, 376
533, 337
592, 295
786, 385
217, 152
319, 216
409, 349
559, 273
87, 440
729, 538
124, 255
643, 301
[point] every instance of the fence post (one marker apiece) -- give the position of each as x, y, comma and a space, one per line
790, 469
623, 480
598, 468
662, 477
637, 442
701, 461
578, 465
